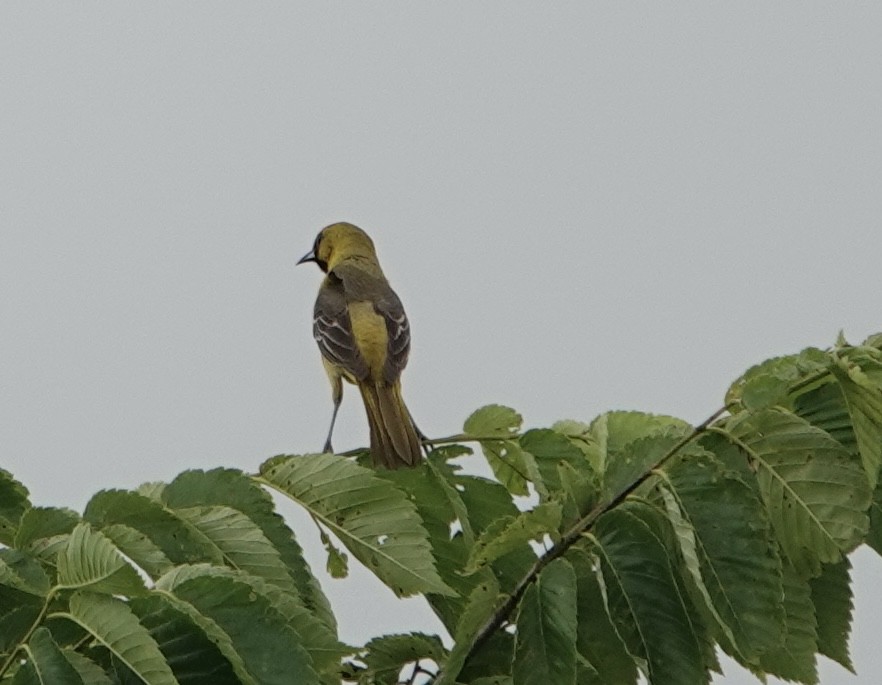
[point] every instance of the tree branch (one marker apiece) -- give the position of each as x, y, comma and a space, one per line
502, 613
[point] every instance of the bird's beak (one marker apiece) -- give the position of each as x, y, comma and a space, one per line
308, 257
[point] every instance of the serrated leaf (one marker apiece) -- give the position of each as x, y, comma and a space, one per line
15, 622
13, 503
795, 659
385, 656
234, 489
644, 600
874, 535
626, 466
178, 539
864, 401
597, 640
768, 384
545, 648
478, 609
726, 540
509, 464
90, 560
46, 664
139, 548
239, 611
816, 494
510, 533
493, 421
487, 501
194, 658
614, 431
112, 623
90, 672
22, 572
832, 598
242, 543
375, 520
582, 491
824, 407
551, 450
39, 523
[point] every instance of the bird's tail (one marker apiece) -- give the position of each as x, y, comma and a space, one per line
394, 439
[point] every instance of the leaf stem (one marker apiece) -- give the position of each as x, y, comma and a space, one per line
501, 614
27, 636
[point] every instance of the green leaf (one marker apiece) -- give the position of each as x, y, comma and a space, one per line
627, 466
614, 431
242, 543
551, 450
90, 672
509, 464
139, 548
597, 639
545, 650
178, 539
768, 384
15, 622
13, 503
91, 561
46, 664
194, 658
478, 609
874, 535
385, 656
727, 542
795, 659
493, 421
242, 613
40, 523
338, 563
816, 495
509, 533
434, 491
864, 400
487, 501
375, 520
648, 610
22, 572
113, 624
234, 489
831, 595
824, 407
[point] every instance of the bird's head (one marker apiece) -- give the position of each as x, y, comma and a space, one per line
337, 242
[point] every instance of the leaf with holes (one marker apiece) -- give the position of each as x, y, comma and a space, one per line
372, 518
511, 533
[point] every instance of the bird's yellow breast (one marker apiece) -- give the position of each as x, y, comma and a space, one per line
371, 336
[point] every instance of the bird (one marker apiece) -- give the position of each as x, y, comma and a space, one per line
364, 338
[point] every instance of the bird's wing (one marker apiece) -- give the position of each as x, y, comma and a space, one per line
398, 329
332, 329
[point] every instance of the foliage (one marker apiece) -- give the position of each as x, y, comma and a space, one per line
633, 544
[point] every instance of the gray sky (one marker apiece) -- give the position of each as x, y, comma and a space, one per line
583, 206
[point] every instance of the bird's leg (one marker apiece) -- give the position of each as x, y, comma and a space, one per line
337, 393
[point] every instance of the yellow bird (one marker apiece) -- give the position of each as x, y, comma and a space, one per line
364, 337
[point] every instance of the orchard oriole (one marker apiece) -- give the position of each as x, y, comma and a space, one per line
364, 337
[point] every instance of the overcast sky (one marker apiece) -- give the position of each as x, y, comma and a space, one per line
583, 206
